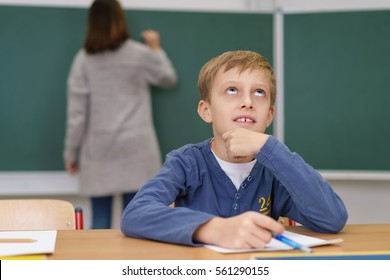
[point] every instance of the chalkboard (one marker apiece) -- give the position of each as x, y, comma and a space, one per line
36, 49
38, 45
337, 89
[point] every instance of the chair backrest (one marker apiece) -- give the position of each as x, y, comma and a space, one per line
36, 214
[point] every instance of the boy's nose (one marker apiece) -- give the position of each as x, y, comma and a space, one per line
246, 102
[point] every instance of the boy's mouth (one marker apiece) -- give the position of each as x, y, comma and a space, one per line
244, 120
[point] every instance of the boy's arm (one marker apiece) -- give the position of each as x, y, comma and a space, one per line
309, 199
149, 216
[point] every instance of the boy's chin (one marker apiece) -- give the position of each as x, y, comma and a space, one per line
242, 159
252, 128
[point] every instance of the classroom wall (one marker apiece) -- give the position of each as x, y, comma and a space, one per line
366, 199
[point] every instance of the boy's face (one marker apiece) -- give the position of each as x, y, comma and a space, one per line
238, 100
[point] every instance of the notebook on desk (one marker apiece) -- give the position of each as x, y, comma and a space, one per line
27, 243
276, 245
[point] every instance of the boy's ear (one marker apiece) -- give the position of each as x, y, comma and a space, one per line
204, 111
271, 114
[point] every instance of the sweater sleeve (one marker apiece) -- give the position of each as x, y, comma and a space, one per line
77, 108
159, 69
149, 215
307, 197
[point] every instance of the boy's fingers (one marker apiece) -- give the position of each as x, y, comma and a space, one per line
270, 224
226, 135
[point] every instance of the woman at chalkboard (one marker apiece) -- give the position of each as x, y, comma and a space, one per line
110, 137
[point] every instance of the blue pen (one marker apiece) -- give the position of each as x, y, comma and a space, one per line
292, 243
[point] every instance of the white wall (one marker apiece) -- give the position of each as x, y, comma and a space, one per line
288, 6
367, 200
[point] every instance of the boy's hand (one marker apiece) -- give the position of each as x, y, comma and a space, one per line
248, 230
242, 143
152, 39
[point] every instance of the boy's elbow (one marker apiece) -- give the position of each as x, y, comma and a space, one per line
341, 222
334, 224
124, 228
340, 218
125, 225
336, 219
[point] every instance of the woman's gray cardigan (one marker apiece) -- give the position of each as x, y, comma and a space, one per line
110, 130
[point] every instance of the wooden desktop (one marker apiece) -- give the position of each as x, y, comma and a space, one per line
111, 244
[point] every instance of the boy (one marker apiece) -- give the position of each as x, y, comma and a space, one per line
230, 190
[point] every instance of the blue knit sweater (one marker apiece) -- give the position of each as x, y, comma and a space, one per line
280, 184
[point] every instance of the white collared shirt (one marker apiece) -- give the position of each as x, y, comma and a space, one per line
237, 172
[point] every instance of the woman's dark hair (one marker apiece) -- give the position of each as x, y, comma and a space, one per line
106, 26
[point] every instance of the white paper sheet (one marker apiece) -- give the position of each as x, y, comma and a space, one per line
44, 244
276, 245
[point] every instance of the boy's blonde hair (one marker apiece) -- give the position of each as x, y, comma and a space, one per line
243, 60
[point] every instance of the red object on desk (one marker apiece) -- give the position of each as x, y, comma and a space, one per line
79, 218
292, 222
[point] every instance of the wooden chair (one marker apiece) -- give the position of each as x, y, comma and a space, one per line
37, 214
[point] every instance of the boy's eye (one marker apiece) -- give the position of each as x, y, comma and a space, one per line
231, 91
259, 92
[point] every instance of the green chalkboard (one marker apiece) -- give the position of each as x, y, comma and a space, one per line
37, 46
337, 89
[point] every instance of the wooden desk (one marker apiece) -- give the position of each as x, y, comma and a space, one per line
111, 244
